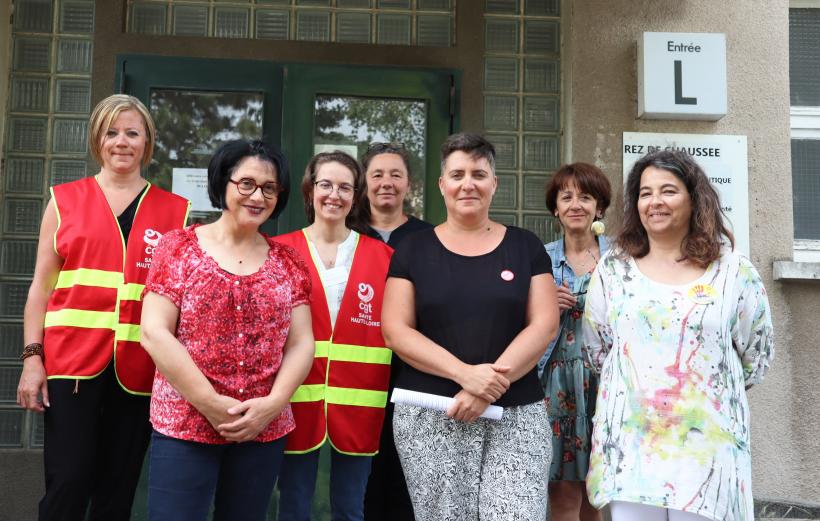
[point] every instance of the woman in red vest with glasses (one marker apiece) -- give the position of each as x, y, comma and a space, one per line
83, 365
343, 398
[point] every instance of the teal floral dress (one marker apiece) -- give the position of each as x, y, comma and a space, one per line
569, 384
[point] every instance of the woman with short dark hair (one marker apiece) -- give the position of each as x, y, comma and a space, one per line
470, 308
227, 323
342, 399
679, 326
578, 196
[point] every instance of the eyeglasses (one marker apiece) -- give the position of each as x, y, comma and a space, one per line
247, 186
345, 190
382, 148
564, 277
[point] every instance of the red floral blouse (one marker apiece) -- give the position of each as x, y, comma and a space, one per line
233, 326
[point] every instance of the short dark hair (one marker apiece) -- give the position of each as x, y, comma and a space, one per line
377, 149
706, 226
227, 158
344, 159
474, 145
588, 178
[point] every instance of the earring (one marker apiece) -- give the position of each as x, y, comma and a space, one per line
598, 227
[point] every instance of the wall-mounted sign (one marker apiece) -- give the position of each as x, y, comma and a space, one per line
682, 76
192, 184
723, 158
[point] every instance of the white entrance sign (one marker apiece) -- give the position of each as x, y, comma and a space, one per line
723, 158
192, 184
682, 76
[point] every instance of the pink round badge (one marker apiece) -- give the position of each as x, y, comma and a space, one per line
507, 275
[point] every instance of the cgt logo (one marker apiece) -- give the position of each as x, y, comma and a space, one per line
366, 295
151, 239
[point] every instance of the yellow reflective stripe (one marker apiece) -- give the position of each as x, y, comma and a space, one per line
322, 348
308, 393
360, 397
59, 220
365, 355
131, 291
127, 333
89, 277
81, 318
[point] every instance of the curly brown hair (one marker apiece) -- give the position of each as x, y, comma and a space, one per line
706, 226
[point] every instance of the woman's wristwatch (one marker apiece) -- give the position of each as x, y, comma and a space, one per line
34, 348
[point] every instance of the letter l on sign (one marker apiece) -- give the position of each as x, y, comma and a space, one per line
679, 99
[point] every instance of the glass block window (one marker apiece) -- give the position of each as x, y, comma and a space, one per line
428, 23
45, 144
522, 106
804, 63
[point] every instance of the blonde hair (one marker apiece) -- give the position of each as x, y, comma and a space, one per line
104, 115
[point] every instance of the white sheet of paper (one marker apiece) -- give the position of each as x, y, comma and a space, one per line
437, 402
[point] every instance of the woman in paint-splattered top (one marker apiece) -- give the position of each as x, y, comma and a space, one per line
679, 326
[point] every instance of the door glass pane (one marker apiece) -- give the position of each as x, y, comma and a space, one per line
352, 123
190, 127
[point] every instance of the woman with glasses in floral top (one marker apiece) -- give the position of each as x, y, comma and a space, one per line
227, 322
578, 196
343, 398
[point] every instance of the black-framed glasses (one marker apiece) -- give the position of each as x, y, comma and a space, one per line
386, 148
325, 187
247, 186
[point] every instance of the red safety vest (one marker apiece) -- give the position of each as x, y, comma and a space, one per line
94, 311
343, 397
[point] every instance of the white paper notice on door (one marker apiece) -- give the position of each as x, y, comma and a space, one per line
192, 184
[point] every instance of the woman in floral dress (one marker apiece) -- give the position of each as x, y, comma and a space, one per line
679, 325
578, 195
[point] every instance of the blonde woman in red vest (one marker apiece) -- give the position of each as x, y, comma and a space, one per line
470, 307
83, 365
343, 398
227, 322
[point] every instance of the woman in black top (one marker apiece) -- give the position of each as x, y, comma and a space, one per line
470, 306
387, 172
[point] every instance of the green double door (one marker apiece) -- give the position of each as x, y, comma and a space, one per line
197, 104
200, 103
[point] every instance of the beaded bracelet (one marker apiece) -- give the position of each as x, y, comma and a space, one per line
34, 348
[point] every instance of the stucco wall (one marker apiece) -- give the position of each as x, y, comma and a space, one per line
602, 48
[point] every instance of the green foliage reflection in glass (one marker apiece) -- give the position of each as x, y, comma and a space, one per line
359, 121
192, 124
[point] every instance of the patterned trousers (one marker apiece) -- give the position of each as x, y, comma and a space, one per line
487, 470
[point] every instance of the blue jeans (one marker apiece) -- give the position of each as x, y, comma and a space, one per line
348, 481
186, 477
